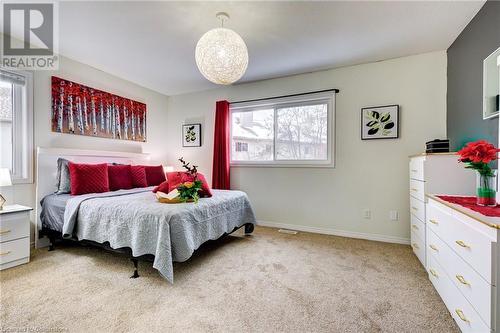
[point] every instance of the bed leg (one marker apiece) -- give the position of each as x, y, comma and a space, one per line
249, 228
52, 241
136, 273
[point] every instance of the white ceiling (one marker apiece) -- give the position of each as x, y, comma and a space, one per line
153, 43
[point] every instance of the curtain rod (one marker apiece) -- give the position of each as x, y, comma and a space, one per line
292, 95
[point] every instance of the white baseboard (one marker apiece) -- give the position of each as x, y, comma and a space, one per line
42, 242
336, 232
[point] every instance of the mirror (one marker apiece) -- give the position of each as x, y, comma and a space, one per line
491, 85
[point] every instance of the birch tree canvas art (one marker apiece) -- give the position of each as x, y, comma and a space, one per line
82, 110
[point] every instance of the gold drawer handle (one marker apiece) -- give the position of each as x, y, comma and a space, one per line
414, 190
433, 221
4, 253
414, 208
415, 245
434, 247
414, 226
461, 315
433, 272
3, 232
462, 243
462, 280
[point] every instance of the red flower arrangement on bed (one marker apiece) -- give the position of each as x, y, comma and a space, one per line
189, 185
477, 156
190, 190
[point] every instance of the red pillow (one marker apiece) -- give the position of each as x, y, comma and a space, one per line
154, 175
120, 177
88, 178
177, 178
163, 187
138, 176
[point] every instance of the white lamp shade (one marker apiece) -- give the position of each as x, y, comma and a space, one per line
168, 168
221, 56
5, 179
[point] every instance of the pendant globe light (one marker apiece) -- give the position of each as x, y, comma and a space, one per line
221, 54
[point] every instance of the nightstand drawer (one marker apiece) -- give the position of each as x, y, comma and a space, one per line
14, 250
14, 226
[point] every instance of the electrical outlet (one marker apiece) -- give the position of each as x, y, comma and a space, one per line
393, 215
367, 214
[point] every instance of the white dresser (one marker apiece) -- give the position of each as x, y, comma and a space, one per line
433, 173
464, 264
14, 236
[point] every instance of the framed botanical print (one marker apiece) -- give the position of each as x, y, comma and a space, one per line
380, 122
191, 135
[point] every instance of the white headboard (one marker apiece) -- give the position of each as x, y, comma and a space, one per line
46, 170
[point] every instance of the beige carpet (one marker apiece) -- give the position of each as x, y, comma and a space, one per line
263, 283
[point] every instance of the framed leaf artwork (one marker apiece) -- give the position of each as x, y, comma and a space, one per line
191, 135
380, 122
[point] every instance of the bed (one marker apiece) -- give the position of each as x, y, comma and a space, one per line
133, 219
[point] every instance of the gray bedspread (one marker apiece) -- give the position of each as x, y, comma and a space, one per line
52, 214
170, 232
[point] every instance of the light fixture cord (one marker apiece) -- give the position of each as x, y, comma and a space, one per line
222, 17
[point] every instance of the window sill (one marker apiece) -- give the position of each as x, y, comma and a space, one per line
22, 181
275, 165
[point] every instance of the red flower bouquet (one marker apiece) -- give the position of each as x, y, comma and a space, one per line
189, 191
477, 156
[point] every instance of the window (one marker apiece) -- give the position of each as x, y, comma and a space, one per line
290, 131
16, 125
241, 146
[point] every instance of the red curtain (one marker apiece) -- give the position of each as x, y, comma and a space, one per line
220, 171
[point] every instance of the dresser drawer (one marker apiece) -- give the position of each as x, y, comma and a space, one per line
417, 208
436, 218
418, 246
475, 289
14, 250
417, 168
417, 227
14, 226
417, 189
462, 312
473, 246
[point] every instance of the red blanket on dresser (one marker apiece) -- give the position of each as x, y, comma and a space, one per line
470, 203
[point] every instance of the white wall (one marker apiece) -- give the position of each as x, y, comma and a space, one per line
368, 174
81, 73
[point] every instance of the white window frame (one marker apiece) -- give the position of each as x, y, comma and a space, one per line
22, 131
274, 103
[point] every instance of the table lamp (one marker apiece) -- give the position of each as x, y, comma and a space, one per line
168, 168
4, 181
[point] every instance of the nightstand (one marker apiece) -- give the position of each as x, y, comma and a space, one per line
14, 236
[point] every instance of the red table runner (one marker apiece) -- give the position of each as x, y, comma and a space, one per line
470, 202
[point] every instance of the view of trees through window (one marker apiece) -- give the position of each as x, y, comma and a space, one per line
292, 133
302, 133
